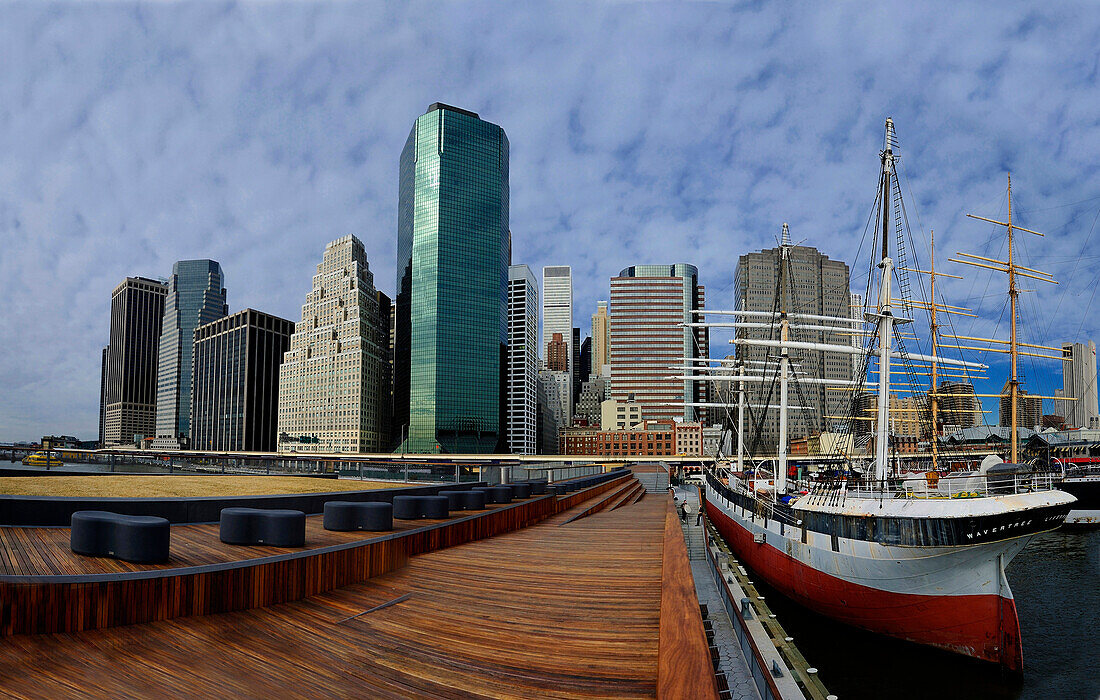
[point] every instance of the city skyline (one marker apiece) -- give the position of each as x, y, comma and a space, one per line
627, 166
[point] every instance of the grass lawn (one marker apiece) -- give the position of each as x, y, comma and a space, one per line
132, 486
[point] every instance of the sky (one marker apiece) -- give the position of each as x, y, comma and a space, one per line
135, 135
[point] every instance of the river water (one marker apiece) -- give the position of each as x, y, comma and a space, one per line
1056, 582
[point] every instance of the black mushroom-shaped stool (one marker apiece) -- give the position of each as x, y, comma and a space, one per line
407, 507
454, 499
345, 516
484, 491
501, 494
141, 539
537, 487
472, 500
435, 507
521, 489
274, 528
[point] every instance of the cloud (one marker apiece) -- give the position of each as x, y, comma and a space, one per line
135, 135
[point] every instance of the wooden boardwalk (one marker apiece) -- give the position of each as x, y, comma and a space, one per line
552, 610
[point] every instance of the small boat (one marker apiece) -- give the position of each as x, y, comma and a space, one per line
43, 459
1083, 482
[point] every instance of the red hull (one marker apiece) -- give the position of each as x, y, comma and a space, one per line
982, 626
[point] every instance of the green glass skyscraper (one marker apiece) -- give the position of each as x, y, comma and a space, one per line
453, 251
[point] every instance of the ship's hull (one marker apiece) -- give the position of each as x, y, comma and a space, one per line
953, 598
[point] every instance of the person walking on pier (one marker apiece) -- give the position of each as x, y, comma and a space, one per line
686, 513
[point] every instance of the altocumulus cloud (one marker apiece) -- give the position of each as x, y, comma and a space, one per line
135, 135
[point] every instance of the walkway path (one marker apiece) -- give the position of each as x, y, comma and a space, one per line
731, 662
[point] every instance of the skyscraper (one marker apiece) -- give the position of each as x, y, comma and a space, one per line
235, 386
102, 391
557, 307
196, 296
523, 360
453, 255
817, 286
557, 317
385, 323
1079, 382
1029, 409
137, 309
584, 363
649, 305
575, 368
557, 354
855, 305
958, 407
555, 388
601, 341
332, 389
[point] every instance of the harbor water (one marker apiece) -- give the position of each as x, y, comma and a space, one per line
1056, 582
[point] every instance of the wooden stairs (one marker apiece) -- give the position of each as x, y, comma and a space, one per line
629, 493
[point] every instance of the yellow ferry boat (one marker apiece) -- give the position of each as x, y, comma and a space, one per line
42, 459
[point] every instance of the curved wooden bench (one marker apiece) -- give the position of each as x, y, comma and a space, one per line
275, 528
142, 539
346, 516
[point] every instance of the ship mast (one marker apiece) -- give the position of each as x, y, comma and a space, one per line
934, 329
784, 361
885, 314
1013, 270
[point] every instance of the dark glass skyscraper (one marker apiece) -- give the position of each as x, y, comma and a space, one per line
137, 309
196, 296
452, 280
235, 386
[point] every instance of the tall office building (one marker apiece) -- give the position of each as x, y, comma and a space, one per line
855, 304
235, 385
137, 310
818, 286
649, 305
1029, 409
196, 295
385, 322
555, 391
575, 368
557, 354
957, 407
523, 360
1079, 382
601, 341
584, 362
557, 307
453, 253
102, 391
332, 390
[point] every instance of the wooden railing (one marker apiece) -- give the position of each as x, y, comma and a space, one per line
684, 667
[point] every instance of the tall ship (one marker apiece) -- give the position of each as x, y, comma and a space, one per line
905, 551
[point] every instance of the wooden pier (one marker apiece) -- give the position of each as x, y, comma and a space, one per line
518, 601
